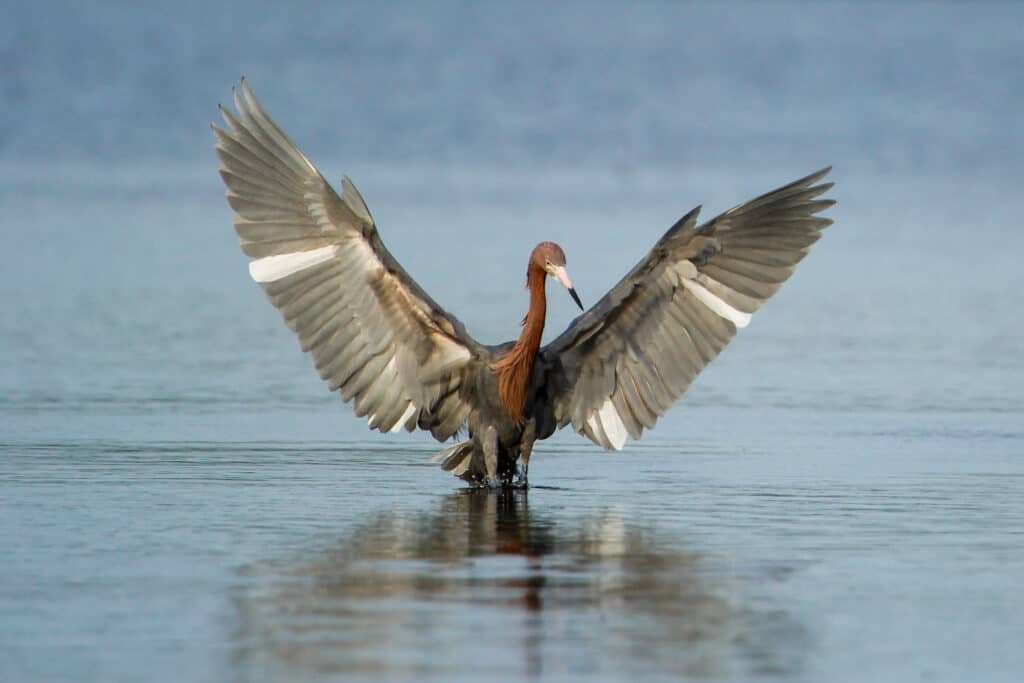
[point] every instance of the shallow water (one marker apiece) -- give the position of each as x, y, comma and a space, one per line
841, 546
839, 496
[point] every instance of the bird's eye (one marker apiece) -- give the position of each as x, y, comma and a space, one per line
547, 263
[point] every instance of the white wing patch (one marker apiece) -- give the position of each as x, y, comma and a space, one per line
720, 307
371, 419
273, 268
410, 409
606, 421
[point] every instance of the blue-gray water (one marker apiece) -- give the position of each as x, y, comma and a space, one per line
838, 498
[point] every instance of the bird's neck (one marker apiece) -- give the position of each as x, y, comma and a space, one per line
515, 369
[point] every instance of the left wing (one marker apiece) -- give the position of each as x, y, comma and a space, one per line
374, 334
622, 364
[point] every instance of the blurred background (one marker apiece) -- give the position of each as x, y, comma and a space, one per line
138, 360
475, 130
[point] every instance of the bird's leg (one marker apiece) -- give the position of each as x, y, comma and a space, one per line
490, 444
525, 449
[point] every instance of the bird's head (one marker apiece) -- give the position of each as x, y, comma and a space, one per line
550, 258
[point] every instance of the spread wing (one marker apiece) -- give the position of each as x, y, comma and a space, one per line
622, 364
374, 334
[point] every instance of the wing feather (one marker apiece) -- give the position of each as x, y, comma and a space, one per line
373, 333
622, 364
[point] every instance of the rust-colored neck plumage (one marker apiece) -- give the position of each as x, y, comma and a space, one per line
515, 369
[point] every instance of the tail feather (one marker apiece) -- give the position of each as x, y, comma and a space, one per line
456, 459
467, 463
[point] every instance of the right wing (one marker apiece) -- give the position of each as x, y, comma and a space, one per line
622, 364
374, 334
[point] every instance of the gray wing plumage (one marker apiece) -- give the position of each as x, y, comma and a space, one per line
622, 364
373, 333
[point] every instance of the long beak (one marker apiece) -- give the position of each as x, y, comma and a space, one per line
560, 274
575, 297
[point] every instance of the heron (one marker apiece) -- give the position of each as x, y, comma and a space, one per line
404, 362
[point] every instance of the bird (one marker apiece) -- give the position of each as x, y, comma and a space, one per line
404, 362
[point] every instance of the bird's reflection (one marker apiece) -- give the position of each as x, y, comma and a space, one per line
484, 583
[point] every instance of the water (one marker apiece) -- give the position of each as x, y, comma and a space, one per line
837, 498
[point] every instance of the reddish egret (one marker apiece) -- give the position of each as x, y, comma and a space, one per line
405, 362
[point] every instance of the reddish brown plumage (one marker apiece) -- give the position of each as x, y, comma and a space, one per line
515, 369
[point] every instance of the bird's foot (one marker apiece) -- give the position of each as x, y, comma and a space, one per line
522, 480
502, 481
